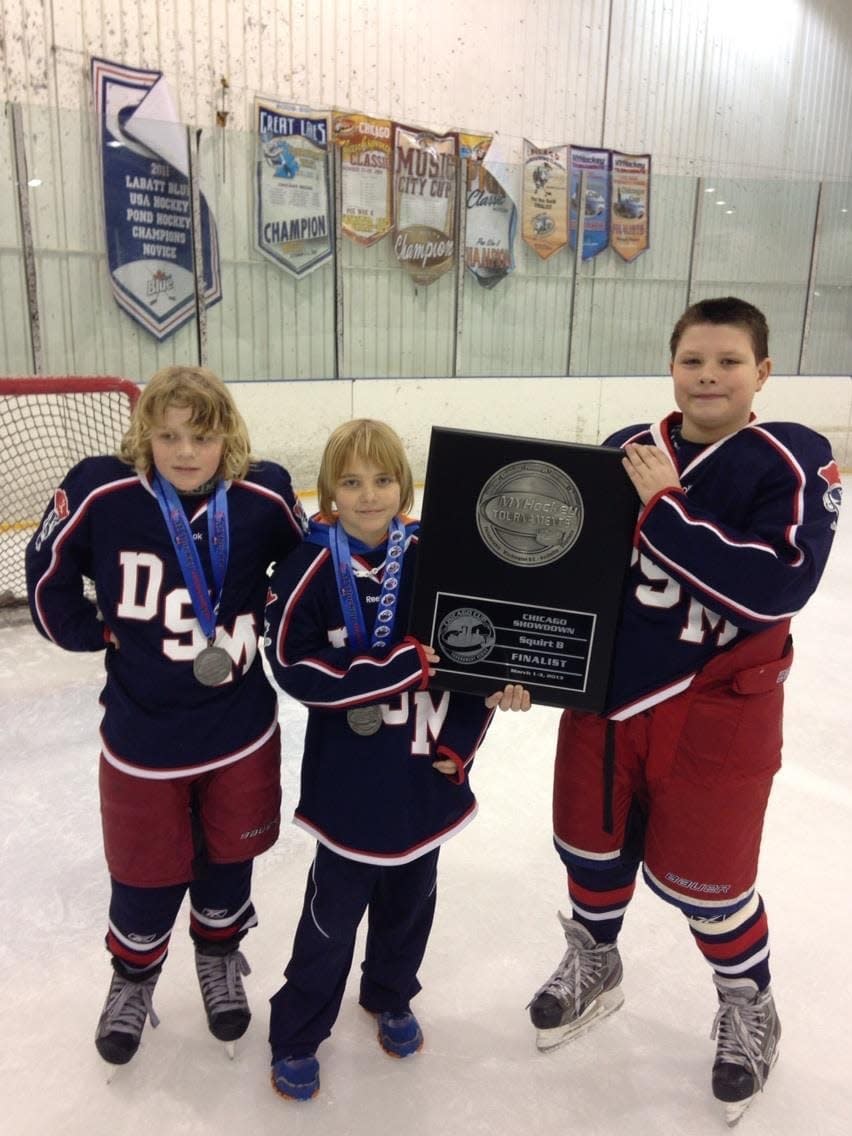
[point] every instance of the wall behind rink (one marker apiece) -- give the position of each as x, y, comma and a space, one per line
290, 421
758, 94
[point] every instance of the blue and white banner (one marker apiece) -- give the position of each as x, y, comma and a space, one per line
294, 224
596, 165
147, 206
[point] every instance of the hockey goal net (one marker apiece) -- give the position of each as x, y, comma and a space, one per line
47, 425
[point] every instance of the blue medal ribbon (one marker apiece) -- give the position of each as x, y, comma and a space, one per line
206, 608
350, 602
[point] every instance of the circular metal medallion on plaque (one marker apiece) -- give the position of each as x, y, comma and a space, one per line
212, 666
529, 513
466, 635
364, 720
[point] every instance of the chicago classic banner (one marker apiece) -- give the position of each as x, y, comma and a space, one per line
425, 189
292, 204
366, 159
147, 204
631, 203
545, 205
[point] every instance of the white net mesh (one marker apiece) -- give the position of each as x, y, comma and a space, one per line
46, 427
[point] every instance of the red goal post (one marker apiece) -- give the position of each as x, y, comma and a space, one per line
47, 425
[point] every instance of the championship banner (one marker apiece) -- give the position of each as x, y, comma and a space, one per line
545, 198
425, 189
147, 201
490, 216
366, 156
293, 218
595, 163
631, 203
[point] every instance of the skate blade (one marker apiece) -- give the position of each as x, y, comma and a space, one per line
231, 1049
734, 1112
735, 1109
602, 1007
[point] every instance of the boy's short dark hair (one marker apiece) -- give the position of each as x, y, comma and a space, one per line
726, 309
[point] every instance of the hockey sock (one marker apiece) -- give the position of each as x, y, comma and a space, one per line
737, 946
601, 907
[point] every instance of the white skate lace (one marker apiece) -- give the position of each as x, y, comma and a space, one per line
221, 980
576, 975
740, 1031
129, 1008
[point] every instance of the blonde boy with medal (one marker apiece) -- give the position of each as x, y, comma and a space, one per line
177, 532
386, 760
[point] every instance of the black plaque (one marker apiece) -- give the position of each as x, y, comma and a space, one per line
524, 548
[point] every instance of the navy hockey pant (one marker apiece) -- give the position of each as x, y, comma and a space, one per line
400, 901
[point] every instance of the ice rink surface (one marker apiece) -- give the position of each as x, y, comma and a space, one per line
645, 1071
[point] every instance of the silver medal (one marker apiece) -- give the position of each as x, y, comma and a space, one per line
212, 666
364, 720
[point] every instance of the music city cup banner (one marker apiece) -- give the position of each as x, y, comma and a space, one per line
294, 226
490, 216
425, 190
631, 204
366, 160
596, 164
544, 212
147, 201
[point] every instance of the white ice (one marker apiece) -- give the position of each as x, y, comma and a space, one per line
645, 1071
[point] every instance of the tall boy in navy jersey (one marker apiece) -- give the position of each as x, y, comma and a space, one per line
384, 771
736, 523
177, 534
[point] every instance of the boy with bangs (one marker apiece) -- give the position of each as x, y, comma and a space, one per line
734, 530
386, 760
177, 534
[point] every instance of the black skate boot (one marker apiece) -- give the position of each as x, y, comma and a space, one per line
128, 1004
585, 987
220, 969
747, 1031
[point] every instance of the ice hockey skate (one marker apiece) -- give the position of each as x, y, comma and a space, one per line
220, 976
128, 1004
584, 988
747, 1030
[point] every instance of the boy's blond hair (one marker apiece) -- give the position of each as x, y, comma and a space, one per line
213, 412
370, 441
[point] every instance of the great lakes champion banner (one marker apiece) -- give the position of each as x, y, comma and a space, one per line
147, 202
293, 216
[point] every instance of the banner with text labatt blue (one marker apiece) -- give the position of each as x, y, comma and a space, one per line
293, 219
147, 201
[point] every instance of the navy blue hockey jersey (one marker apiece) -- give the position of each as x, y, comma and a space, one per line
740, 548
105, 523
376, 799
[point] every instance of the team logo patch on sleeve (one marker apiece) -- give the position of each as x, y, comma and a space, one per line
59, 513
833, 495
